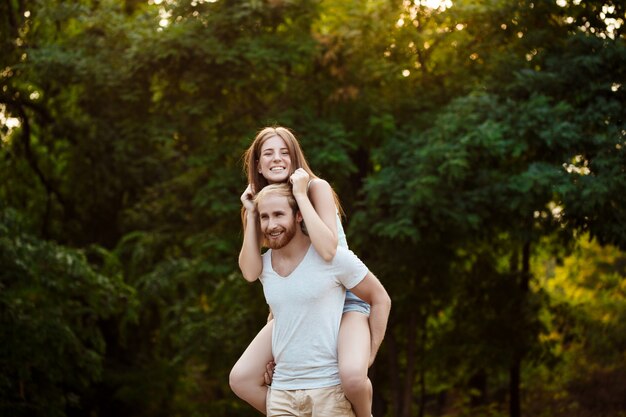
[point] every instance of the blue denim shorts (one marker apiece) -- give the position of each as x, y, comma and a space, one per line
354, 303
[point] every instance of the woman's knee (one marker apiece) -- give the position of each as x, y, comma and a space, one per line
353, 380
238, 379
234, 380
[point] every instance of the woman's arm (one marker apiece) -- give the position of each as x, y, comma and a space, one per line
318, 211
250, 261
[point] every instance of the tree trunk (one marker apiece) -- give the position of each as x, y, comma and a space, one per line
515, 370
478, 382
514, 379
394, 374
422, 403
409, 376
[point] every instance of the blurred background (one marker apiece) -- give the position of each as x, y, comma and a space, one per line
478, 149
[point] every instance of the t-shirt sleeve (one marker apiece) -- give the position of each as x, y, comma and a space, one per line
350, 269
265, 258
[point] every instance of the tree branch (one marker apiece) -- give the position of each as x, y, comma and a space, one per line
32, 162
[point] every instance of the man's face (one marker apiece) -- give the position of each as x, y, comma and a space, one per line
278, 223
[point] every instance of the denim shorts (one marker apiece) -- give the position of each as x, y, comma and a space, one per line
354, 303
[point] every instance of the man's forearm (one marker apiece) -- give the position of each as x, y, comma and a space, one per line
372, 291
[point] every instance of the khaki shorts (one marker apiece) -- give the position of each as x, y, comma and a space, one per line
319, 402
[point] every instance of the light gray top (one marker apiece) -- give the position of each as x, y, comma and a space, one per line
307, 307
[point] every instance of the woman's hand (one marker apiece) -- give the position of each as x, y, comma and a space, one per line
247, 199
300, 180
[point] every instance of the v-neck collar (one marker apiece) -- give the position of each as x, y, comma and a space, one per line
295, 268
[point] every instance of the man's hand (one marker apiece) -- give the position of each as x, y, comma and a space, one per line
300, 180
269, 372
247, 198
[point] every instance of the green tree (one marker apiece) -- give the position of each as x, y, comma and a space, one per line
585, 318
507, 167
52, 303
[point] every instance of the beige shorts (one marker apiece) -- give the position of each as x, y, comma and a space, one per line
319, 402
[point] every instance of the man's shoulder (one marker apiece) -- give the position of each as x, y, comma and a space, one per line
266, 260
343, 252
345, 256
343, 249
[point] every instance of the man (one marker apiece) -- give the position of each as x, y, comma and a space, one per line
306, 295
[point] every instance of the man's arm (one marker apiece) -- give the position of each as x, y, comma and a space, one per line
372, 291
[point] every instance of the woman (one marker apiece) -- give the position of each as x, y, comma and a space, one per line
275, 156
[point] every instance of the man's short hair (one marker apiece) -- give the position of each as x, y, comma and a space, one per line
282, 189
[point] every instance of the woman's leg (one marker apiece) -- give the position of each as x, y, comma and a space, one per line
354, 353
247, 378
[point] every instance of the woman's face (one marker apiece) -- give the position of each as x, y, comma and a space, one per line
274, 160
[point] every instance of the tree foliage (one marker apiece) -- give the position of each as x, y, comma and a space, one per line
52, 304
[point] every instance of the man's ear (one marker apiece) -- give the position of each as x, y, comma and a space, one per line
300, 221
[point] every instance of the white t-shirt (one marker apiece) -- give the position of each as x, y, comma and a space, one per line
307, 307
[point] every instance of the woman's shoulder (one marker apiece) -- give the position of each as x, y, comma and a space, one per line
318, 184
319, 188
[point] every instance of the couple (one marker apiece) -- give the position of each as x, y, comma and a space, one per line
321, 355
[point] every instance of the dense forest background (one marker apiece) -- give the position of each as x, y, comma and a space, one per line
478, 148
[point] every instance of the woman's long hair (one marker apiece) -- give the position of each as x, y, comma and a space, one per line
253, 154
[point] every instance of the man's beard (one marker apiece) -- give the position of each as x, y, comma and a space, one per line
285, 238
